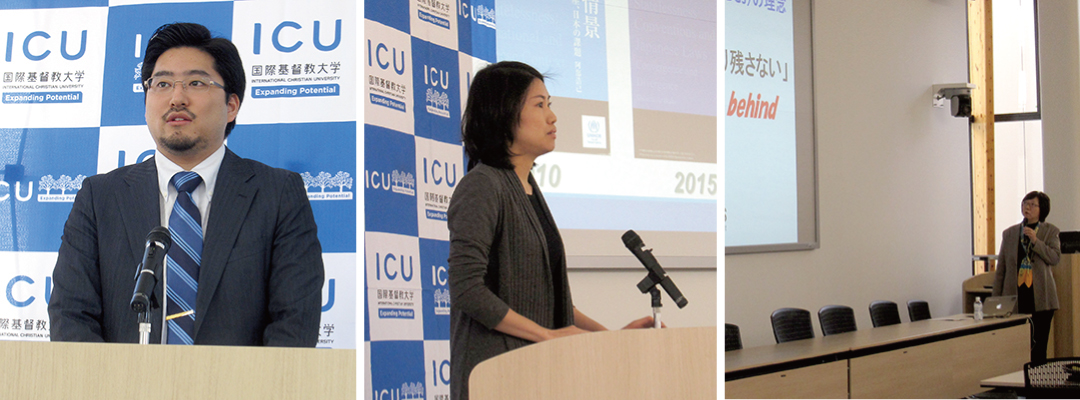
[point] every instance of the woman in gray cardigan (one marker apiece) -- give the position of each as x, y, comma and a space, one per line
508, 282
1028, 250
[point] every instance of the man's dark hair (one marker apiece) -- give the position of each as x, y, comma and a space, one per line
1044, 203
227, 61
493, 111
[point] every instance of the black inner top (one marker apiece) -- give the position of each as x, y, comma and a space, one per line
1025, 295
555, 259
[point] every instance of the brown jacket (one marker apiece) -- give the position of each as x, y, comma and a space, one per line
1046, 253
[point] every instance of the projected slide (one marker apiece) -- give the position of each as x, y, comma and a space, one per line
634, 88
761, 203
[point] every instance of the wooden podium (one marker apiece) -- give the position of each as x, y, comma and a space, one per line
673, 363
48, 370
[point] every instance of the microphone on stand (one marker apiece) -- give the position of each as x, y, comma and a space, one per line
157, 245
656, 272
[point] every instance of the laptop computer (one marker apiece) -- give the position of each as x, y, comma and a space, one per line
999, 306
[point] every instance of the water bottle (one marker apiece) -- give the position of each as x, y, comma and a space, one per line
978, 309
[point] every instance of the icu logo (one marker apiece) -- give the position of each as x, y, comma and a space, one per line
412, 390
438, 103
436, 92
64, 184
393, 266
403, 183
37, 40
385, 56
6, 194
440, 177
324, 180
440, 172
440, 374
397, 181
303, 73
435, 12
19, 286
437, 366
408, 391
276, 37
394, 288
480, 14
442, 301
329, 297
436, 78
435, 279
394, 302
387, 90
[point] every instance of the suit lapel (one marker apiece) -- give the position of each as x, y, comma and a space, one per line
140, 204
233, 194
140, 210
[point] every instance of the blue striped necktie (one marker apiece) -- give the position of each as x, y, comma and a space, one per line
183, 260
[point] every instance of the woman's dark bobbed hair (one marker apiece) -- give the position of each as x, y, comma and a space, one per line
493, 111
1044, 203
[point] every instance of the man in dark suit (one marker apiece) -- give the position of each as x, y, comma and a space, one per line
257, 279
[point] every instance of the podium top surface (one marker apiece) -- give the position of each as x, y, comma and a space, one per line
640, 363
57, 370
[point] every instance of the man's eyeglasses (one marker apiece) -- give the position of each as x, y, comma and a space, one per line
195, 85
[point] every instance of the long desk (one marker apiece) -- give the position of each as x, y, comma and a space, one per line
943, 357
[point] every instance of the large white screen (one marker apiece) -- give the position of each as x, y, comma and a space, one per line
634, 88
770, 189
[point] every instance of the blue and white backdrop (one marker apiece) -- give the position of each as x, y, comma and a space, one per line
72, 107
418, 58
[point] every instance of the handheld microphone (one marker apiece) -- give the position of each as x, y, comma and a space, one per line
1024, 239
636, 246
157, 245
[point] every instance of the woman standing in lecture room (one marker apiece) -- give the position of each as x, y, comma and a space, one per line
1028, 250
508, 282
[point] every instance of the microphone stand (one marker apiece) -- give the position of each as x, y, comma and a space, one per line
650, 285
143, 299
144, 328
655, 306
656, 276
142, 303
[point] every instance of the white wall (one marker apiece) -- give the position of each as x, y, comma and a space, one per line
894, 184
1059, 63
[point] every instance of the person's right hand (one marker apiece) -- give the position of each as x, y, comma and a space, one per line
567, 331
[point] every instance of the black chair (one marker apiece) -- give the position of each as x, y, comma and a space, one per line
836, 319
732, 339
884, 313
918, 310
1054, 379
791, 324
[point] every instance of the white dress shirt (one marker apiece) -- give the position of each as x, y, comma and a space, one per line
207, 169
